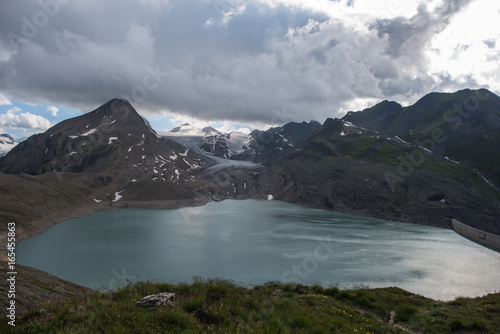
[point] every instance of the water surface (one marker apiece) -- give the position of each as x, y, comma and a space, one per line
253, 242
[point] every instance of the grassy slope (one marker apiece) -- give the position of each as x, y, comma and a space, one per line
220, 306
35, 287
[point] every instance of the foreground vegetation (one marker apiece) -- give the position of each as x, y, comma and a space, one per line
221, 306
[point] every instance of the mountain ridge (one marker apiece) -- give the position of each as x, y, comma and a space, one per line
464, 126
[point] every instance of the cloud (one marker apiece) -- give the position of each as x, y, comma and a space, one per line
53, 110
262, 61
228, 128
13, 118
4, 101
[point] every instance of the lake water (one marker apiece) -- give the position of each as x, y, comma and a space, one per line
253, 242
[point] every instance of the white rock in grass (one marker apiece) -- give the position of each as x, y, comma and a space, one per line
155, 301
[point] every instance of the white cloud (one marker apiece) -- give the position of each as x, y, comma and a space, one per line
460, 51
228, 127
179, 119
13, 118
4, 101
53, 110
230, 14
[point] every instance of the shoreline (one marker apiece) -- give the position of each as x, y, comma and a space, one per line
85, 210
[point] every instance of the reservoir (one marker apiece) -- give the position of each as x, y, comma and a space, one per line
252, 242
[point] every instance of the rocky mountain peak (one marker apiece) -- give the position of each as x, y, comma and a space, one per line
111, 138
115, 116
210, 131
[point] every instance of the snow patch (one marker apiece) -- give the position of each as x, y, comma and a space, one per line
342, 133
401, 140
426, 149
269, 197
97, 200
184, 130
118, 196
88, 133
174, 156
491, 185
111, 139
185, 154
283, 137
191, 166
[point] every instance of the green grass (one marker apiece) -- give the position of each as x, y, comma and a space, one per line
220, 306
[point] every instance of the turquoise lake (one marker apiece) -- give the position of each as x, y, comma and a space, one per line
252, 242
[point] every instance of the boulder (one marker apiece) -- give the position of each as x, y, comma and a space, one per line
155, 301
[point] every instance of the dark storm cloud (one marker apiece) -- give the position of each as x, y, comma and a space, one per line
239, 60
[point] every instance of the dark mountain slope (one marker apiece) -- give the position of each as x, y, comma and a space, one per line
273, 143
463, 126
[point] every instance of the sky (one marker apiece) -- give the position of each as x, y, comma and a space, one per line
237, 64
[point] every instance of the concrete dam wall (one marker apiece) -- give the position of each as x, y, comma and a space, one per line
484, 238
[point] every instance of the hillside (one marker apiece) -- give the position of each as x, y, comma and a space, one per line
35, 288
463, 126
221, 306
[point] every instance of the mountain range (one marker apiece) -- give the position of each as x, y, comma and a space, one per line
427, 163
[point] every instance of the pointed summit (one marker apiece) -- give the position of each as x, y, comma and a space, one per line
210, 131
114, 114
111, 138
